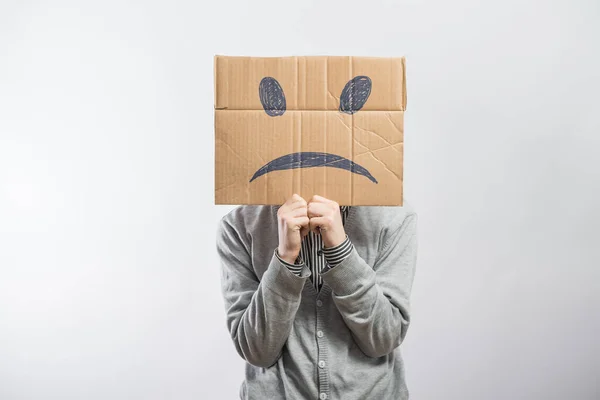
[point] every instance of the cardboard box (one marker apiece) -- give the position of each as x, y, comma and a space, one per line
332, 126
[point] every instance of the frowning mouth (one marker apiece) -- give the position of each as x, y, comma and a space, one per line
309, 159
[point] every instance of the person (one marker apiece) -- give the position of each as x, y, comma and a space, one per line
317, 297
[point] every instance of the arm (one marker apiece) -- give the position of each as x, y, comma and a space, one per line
374, 302
259, 314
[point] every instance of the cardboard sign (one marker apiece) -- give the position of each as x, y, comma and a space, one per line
331, 126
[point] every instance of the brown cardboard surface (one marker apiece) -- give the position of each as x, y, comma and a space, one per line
248, 138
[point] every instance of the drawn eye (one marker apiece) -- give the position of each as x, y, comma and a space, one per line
355, 94
271, 96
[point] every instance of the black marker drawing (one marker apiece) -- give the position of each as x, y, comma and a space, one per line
271, 96
309, 159
355, 94
353, 98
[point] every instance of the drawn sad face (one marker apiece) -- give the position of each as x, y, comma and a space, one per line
353, 97
326, 125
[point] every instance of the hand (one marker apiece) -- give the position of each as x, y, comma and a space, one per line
325, 218
292, 220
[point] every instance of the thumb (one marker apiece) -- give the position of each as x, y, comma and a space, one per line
304, 231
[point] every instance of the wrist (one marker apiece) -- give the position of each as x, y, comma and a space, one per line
288, 257
334, 240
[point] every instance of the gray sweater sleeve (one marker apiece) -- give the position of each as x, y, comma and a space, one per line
260, 314
374, 301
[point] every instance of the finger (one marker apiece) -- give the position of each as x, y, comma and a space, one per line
296, 198
294, 223
292, 203
300, 223
319, 199
297, 201
319, 224
298, 204
314, 227
318, 209
304, 230
299, 212
292, 199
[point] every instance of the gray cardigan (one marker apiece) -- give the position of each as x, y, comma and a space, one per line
340, 343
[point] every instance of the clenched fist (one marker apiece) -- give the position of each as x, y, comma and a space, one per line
325, 218
292, 219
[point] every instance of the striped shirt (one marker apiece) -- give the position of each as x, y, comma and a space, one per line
318, 258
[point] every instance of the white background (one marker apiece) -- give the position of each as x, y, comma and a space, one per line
109, 278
